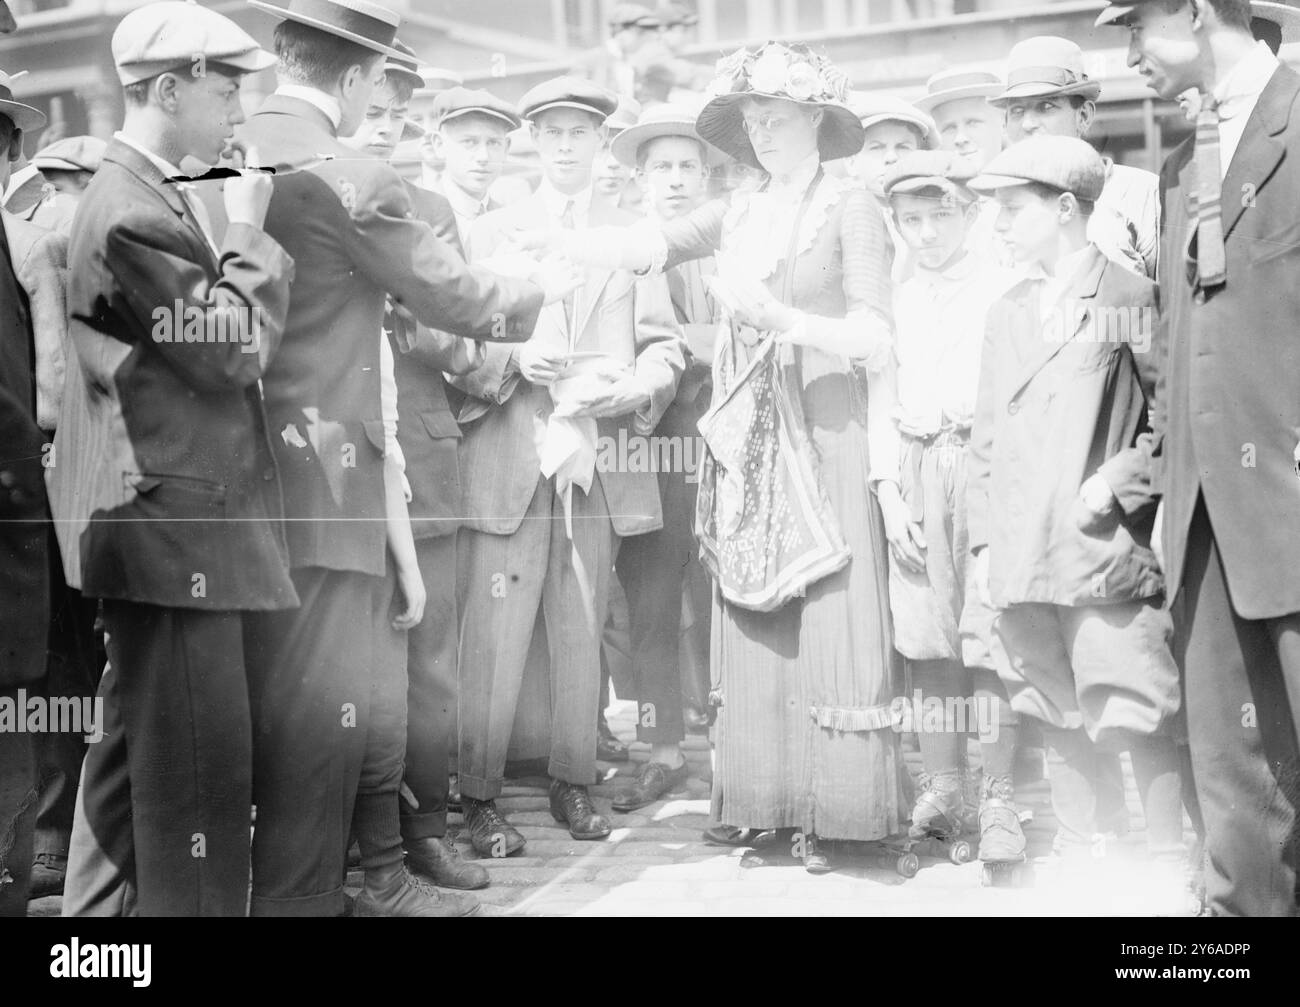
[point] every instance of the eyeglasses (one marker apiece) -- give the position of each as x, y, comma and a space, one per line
767, 123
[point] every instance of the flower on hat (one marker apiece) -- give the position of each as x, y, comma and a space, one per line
794, 71
769, 71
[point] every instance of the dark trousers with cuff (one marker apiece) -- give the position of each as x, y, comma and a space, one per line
1242, 680
162, 817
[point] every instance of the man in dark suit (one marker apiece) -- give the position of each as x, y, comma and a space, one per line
177, 517
24, 572
544, 512
349, 224
427, 436
1226, 423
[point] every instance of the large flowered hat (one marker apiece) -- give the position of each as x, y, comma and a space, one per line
777, 70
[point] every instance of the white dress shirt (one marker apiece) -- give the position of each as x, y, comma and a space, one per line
327, 103
939, 318
1058, 281
466, 208
1237, 93
556, 201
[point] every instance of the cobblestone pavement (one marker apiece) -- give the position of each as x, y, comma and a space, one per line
656, 864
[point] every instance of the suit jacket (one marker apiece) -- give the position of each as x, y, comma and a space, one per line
40, 260
1058, 398
427, 431
166, 487
1227, 412
348, 223
615, 313
24, 537
699, 315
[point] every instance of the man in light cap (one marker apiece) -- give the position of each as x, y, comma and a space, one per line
67, 165
1226, 419
1084, 636
1049, 94
471, 138
176, 506
351, 228
543, 519
940, 627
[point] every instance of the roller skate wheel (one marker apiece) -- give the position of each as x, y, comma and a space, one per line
908, 865
960, 852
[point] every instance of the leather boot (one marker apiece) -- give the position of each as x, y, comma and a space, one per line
438, 860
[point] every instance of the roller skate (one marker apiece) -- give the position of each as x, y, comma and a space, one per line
936, 827
1002, 843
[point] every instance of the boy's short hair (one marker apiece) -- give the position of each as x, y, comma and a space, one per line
316, 58
1044, 191
403, 86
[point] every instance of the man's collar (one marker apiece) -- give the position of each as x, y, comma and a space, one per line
327, 103
1245, 81
556, 200
168, 169
461, 201
20, 178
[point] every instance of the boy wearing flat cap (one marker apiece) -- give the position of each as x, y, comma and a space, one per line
472, 140
176, 518
1058, 411
1049, 94
543, 521
939, 315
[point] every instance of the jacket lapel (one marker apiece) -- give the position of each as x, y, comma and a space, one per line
530, 214
1076, 310
1261, 149
148, 173
588, 295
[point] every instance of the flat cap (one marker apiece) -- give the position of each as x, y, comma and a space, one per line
924, 169
1063, 162
568, 92
1116, 11
163, 36
72, 153
459, 101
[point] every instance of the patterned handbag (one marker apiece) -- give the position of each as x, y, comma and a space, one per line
765, 526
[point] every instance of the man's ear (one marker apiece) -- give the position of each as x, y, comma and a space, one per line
1196, 8
167, 88
438, 144
1067, 206
15, 145
1086, 113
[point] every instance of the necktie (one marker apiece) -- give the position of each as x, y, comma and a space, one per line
566, 221
1211, 260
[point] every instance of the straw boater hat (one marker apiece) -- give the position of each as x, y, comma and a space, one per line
662, 120
24, 117
1046, 66
877, 108
954, 83
791, 72
367, 24
1277, 19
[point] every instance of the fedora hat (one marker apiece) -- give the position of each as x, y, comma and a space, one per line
792, 73
662, 120
954, 83
1046, 66
367, 24
24, 117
